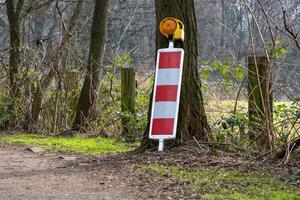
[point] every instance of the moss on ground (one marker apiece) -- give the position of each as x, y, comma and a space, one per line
232, 184
77, 144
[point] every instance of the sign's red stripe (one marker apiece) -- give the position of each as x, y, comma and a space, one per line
162, 126
169, 60
166, 93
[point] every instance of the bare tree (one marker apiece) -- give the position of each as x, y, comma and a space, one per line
57, 56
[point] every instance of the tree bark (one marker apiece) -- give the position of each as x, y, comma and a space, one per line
14, 18
260, 103
88, 95
192, 120
128, 94
222, 42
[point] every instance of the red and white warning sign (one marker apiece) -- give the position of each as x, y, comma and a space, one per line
166, 95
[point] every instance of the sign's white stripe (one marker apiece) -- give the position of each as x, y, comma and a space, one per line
164, 110
168, 77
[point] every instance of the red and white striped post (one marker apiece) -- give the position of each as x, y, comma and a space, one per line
166, 95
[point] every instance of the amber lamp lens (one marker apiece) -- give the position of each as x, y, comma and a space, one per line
168, 27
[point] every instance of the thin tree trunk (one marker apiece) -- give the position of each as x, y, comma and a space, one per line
88, 95
222, 42
14, 18
128, 94
192, 120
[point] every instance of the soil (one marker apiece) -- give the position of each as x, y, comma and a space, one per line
25, 175
28, 175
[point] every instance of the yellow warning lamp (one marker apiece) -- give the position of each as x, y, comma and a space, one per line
171, 27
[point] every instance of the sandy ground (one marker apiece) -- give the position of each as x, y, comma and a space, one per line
27, 175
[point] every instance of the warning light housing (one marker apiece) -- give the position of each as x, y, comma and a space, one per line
171, 27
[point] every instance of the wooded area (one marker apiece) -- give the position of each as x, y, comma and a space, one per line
86, 69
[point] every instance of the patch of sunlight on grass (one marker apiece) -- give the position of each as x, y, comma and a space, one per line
232, 184
226, 106
216, 109
77, 144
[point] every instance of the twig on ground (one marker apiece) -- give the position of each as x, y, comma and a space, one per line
198, 143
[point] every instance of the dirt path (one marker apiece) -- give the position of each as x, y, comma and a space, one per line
25, 175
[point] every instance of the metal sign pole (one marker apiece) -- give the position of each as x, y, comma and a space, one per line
161, 145
171, 44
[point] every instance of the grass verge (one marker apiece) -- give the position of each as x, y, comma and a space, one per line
77, 144
231, 184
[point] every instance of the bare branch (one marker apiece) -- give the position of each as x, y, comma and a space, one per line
290, 29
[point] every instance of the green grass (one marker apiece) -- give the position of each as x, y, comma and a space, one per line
77, 144
232, 184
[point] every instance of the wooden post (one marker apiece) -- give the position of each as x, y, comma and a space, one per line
260, 104
128, 93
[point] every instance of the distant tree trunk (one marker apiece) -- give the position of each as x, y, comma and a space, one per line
14, 18
46, 81
192, 120
88, 95
222, 42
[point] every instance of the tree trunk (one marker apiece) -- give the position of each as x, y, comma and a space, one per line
192, 120
88, 95
260, 103
46, 81
14, 18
